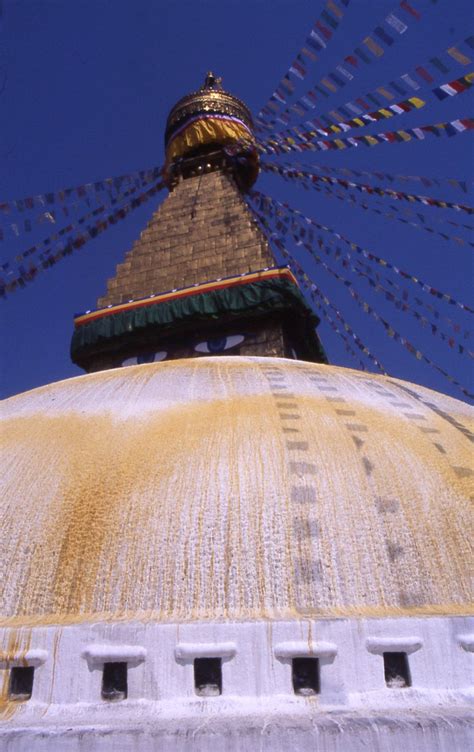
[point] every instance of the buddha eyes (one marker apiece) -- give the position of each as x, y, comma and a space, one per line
219, 344
210, 346
151, 357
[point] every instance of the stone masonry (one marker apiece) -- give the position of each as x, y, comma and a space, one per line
201, 232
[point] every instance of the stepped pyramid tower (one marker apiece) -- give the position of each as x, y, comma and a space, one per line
213, 539
201, 278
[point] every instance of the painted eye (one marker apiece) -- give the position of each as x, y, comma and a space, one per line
219, 344
150, 357
130, 361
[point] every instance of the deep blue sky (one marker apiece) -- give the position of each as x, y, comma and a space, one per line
87, 88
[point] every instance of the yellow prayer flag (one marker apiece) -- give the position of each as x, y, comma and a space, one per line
373, 46
387, 94
328, 84
385, 113
406, 136
340, 144
416, 102
371, 140
309, 54
454, 52
332, 6
358, 121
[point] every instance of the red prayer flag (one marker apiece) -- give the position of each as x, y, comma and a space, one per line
325, 32
423, 73
406, 6
457, 86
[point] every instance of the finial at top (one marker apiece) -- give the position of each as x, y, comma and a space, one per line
212, 82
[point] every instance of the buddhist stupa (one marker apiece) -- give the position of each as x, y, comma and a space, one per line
213, 539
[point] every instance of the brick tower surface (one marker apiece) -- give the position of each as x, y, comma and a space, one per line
201, 278
201, 232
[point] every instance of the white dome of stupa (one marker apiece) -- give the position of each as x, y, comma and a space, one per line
254, 510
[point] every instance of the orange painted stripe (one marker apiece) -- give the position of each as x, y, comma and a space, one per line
185, 292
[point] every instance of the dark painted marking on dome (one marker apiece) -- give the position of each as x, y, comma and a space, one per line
345, 412
462, 472
286, 405
368, 466
387, 506
394, 551
285, 429
409, 599
440, 448
303, 468
359, 427
358, 441
328, 388
446, 416
335, 399
306, 528
301, 445
404, 405
290, 416
427, 429
309, 570
415, 416
303, 493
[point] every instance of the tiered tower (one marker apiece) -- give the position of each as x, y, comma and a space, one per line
201, 278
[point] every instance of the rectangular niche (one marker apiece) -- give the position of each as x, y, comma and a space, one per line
114, 681
397, 670
305, 676
208, 676
21, 683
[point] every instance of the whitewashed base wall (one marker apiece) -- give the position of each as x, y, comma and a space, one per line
258, 709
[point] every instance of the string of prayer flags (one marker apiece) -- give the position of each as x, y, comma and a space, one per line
365, 119
346, 258
361, 121
406, 297
322, 309
389, 329
425, 322
46, 201
75, 242
410, 212
330, 191
351, 172
65, 230
374, 276
265, 204
450, 129
451, 89
317, 296
365, 188
316, 42
405, 84
275, 238
371, 47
